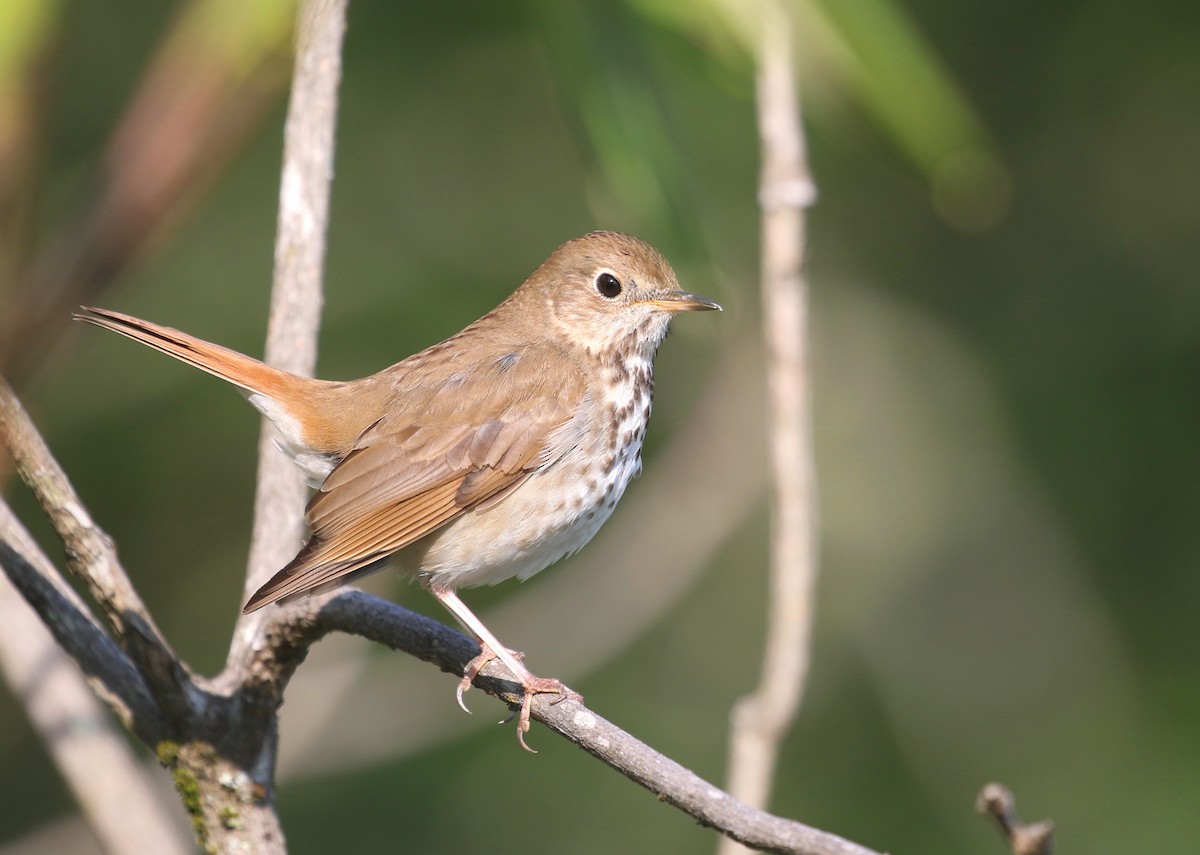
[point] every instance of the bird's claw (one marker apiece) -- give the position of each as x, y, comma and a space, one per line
530, 686
486, 655
463, 685
538, 686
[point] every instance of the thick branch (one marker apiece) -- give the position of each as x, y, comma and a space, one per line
762, 718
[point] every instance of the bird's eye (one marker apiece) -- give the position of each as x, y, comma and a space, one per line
608, 285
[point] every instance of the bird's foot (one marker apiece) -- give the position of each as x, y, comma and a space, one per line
486, 655
538, 686
530, 686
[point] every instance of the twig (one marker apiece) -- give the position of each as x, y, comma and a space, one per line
761, 719
296, 296
1035, 838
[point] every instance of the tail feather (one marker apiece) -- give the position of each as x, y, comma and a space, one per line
243, 371
317, 416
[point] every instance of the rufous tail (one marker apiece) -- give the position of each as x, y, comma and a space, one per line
243, 371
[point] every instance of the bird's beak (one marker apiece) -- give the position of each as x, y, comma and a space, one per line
681, 301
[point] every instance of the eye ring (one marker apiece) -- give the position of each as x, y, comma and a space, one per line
608, 286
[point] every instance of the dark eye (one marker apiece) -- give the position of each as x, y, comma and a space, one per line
608, 285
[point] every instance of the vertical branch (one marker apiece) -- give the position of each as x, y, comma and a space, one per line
761, 719
296, 297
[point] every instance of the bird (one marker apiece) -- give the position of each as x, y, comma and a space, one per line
488, 456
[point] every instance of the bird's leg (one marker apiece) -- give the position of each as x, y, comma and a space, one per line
491, 648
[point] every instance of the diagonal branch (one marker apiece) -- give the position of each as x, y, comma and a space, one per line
110, 671
114, 789
91, 557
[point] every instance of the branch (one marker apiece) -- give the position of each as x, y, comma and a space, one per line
385, 622
760, 720
112, 674
92, 560
113, 789
1035, 838
296, 297
109, 784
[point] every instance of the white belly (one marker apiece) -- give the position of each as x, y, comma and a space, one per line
550, 516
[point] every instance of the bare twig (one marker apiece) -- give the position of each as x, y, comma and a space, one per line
761, 719
1035, 838
296, 296
95, 761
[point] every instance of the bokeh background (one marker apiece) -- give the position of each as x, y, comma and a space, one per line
1006, 322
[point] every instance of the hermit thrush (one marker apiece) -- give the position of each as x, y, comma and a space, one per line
490, 455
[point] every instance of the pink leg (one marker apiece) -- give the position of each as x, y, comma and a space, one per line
491, 648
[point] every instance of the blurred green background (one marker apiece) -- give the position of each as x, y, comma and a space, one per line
1007, 393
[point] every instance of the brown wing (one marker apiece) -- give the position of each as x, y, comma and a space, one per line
435, 455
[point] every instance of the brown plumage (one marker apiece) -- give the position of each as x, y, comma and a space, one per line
487, 456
